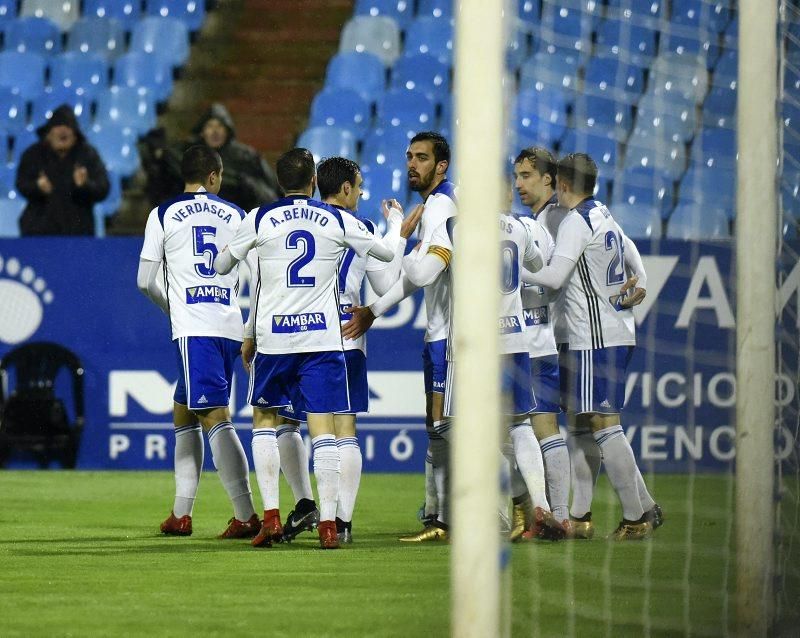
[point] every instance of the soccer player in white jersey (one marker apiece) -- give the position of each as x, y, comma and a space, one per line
182, 237
299, 359
589, 259
427, 159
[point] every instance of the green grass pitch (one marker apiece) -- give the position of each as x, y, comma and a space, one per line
80, 555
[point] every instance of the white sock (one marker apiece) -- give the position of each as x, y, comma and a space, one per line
267, 463
441, 462
294, 461
530, 462
442, 428
621, 469
188, 467
585, 461
231, 464
431, 501
556, 472
326, 470
644, 496
350, 462
518, 487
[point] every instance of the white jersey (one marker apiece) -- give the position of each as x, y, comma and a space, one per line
537, 302
551, 216
591, 238
435, 229
186, 233
299, 242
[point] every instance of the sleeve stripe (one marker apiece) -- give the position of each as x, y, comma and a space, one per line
441, 253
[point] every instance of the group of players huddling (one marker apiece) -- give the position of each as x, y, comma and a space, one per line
566, 330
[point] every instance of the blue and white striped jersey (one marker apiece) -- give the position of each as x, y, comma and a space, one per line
537, 302
551, 217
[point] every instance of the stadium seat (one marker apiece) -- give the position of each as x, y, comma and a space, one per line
626, 41
549, 68
435, 8
516, 49
528, 11
635, 9
328, 141
699, 43
362, 72
715, 148
116, 146
23, 139
379, 35
730, 36
84, 73
169, 37
638, 221
8, 11
4, 146
713, 16
410, 110
676, 119
540, 115
124, 106
402, 11
424, 72
726, 69
148, 70
191, 12
708, 184
10, 212
33, 35
693, 221
612, 77
649, 148
603, 115
566, 27
681, 77
342, 108
384, 146
644, 186
601, 148
103, 36
382, 182
53, 97
109, 206
13, 113
429, 35
23, 73
719, 108
127, 12
64, 12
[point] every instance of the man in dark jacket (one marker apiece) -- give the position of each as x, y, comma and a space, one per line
249, 181
62, 177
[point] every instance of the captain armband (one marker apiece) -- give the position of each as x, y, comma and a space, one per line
442, 253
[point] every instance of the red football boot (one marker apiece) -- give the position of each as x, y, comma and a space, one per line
328, 539
271, 530
545, 526
242, 529
175, 526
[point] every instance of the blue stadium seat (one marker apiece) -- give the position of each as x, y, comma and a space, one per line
540, 115
191, 12
435, 8
726, 69
10, 212
52, 98
8, 11
23, 139
603, 115
328, 141
516, 49
708, 184
84, 73
109, 206
636, 9
382, 182
169, 37
627, 41
4, 146
429, 35
644, 186
64, 13
124, 106
790, 193
693, 221
679, 77
362, 72
385, 146
23, 73
715, 148
528, 11
612, 77
379, 35
8, 173
701, 15
342, 108
566, 27
702, 43
650, 149
148, 70
127, 12
409, 110
601, 148
402, 11
719, 109
33, 35
638, 221
423, 72
13, 113
676, 119
103, 36
117, 147
730, 36
550, 68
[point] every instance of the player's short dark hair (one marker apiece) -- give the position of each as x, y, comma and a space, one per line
542, 160
295, 169
198, 162
441, 149
580, 171
333, 172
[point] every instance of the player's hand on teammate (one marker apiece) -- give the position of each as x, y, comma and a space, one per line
630, 295
388, 205
360, 322
411, 222
248, 353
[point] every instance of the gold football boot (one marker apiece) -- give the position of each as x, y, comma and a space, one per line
521, 519
430, 533
632, 531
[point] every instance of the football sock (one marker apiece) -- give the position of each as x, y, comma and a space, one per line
326, 470
585, 460
440, 461
231, 464
294, 461
556, 472
350, 462
188, 467
621, 469
431, 502
267, 464
529, 461
644, 496
519, 491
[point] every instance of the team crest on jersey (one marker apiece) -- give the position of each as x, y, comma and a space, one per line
509, 325
298, 323
208, 294
535, 316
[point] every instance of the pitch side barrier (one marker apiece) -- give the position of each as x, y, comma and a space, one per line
681, 391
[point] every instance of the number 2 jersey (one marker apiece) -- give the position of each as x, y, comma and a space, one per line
299, 243
591, 238
186, 233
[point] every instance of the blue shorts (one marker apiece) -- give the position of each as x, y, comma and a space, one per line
515, 384
597, 379
434, 365
546, 385
356, 383
205, 371
306, 381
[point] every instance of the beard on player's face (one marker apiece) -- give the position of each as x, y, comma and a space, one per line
418, 181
